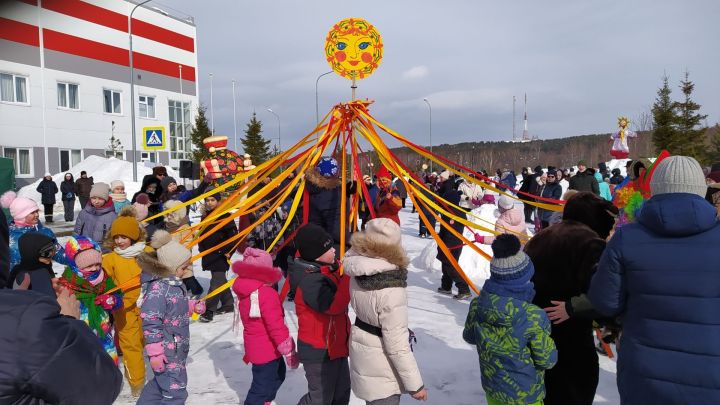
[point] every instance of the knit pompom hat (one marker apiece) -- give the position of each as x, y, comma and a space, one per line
169, 252
82, 252
100, 190
384, 231
126, 224
143, 199
165, 182
678, 174
505, 202
116, 183
141, 211
174, 217
328, 167
257, 264
20, 207
509, 262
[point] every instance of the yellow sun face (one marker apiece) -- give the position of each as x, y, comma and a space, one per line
623, 122
353, 48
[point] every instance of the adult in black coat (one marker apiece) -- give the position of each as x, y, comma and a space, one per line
4, 249
51, 358
584, 180
47, 189
150, 186
216, 262
158, 173
67, 195
565, 256
530, 185
448, 193
325, 197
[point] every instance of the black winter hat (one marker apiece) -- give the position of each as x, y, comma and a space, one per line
312, 241
593, 211
33, 245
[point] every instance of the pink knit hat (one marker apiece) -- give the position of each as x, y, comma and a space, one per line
257, 257
20, 207
141, 211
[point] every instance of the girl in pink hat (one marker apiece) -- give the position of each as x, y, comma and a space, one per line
26, 218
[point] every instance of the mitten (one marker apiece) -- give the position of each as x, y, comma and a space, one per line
292, 360
107, 301
156, 353
197, 307
287, 349
479, 238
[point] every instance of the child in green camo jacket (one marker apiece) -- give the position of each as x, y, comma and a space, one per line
511, 334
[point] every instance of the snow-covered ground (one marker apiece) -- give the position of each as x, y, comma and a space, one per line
449, 366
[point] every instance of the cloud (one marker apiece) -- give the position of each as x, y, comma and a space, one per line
416, 72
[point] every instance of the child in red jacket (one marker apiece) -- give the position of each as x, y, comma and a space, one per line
321, 302
266, 337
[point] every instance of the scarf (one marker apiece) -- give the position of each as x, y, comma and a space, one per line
119, 197
92, 277
388, 279
132, 251
523, 290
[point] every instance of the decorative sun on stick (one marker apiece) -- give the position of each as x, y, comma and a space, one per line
353, 48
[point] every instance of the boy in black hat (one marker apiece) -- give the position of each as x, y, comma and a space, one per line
34, 272
321, 302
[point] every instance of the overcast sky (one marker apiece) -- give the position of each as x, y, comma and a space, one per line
581, 63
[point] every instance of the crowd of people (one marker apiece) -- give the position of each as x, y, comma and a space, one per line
128, 291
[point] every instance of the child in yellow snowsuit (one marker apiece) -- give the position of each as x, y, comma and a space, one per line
126, 240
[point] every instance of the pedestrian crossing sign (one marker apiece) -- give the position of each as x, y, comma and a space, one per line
153, 138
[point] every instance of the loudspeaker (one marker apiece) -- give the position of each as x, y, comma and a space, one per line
189, 170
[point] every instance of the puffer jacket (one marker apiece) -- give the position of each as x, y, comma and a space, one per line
217, 259
322, 296
604, 187
83, 186
471, 196
95, 223
49, 358
164, 309
510, 221
324, 195
388, 207
584, 181
265, 332
514, 345
47, 189
67, 189
380, 366
549, 190
16, 231
661, 274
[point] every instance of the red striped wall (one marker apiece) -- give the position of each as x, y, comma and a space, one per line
73, 45
111, 19
19, 32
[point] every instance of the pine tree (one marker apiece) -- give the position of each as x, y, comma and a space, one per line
200, 131
663, 134
254, 144
712, 152
690, 139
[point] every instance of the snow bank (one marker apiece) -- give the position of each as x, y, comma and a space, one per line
101, 170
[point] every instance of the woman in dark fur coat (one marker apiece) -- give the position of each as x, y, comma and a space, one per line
565, 256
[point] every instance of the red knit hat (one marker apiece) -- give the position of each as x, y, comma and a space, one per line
384, 173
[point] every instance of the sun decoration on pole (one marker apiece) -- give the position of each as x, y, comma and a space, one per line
353, 48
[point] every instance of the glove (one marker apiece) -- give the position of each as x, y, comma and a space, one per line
107, 301
287, 349
196, 306
479, 238
292, 360
156, 353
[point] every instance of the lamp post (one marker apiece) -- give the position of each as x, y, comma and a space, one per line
317, 110
212, 114
431, 143
278, 120
132, 92
234, 119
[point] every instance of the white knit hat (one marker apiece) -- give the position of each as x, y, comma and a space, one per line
384, 230
505, 202
445, 175
169, 252
678, 174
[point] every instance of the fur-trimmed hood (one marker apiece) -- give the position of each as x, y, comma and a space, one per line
315, 178
250, 277
151, 266
368, 256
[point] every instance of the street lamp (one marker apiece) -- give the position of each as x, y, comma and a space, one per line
132, 92
317, 110
212, 114
278, 119
431, 143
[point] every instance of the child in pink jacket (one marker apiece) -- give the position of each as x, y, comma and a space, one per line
511, 220
267, 339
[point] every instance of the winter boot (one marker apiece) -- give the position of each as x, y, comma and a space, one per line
462, 296
206, 317
444, 291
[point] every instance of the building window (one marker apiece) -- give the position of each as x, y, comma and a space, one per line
68, 96
147, 107
13, 88
111, 101
21, 160
69, 158
180, 126
148, 157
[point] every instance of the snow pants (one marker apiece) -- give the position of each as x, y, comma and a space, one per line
449, 275
267, 379
69, 206
128, 326
328, 383
48, 212
391, 400
170, 386
225, 298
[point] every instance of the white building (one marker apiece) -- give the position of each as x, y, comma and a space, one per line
65, 83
